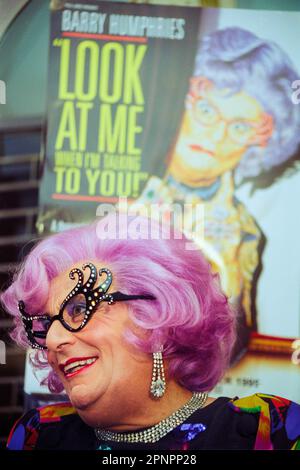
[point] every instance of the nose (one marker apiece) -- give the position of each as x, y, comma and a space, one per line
217, 132
58, 337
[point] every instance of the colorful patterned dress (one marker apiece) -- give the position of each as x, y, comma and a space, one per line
259, 422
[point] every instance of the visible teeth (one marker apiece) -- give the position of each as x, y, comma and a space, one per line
78, 364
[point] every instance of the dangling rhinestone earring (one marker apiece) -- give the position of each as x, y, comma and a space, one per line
158, 383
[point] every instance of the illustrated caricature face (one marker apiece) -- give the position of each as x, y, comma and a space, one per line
216, 130
113, 367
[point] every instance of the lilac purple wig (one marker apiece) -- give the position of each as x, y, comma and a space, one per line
239, 60
190, 318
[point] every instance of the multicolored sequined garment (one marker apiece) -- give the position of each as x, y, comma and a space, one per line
259, 421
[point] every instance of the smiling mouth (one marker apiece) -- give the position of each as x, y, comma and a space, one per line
75, 367
198, 148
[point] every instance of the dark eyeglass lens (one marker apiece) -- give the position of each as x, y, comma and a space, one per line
40, 329
74, 311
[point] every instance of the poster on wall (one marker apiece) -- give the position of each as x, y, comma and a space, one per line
181, 107
114, 90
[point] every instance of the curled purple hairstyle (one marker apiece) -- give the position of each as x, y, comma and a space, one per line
239, 60
190, 317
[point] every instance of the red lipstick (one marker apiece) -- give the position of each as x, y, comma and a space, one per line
198, 148
78, 367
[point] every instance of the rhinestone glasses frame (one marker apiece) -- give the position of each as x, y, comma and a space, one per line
93, 298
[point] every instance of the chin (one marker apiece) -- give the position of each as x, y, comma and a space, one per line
80, 399
82, 395
197, 173
81, 404
196, 161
